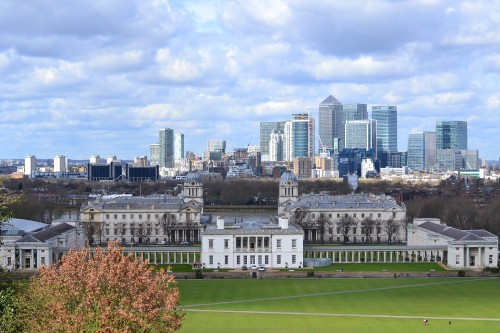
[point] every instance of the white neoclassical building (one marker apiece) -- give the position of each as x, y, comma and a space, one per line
273, 245
465, 248
143, 220
373, 219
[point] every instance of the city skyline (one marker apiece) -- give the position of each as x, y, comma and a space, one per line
82, 79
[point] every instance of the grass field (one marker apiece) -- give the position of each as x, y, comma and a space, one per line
342, 305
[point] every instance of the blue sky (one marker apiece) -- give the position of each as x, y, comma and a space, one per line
80, 78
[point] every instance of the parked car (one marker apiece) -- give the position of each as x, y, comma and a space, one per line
184, 243
254, 267
262, 268
244, 267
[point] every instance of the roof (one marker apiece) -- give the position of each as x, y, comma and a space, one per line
160, 202
456, 234
45, 235
252, 228
330, 100
24, 225
351, 201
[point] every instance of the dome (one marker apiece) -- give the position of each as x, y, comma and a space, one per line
287, 178
193, 177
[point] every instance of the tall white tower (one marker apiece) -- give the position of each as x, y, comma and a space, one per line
60, 163
289, 190
30, 166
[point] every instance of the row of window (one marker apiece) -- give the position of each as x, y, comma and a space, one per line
251, 245
354, 215
251, 260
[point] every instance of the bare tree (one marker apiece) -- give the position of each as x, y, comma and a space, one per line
191, 226
168, 222
92, 231
392, 227
344, 224
367, 225
322, 225
300, 218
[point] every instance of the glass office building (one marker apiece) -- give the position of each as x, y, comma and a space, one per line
451, 135
331, 122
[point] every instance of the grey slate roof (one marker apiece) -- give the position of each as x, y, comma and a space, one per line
456, 234
160, 202
44, 235
353, 201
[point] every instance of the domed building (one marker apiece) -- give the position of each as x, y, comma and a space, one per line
160, 219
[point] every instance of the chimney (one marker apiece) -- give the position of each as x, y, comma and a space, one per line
220, 222
283, 222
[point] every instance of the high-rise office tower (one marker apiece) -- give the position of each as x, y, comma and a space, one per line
355, 112
178, 146
166, 148
266, 128
276, 146
361, 134
387, 127
216, 145
95, 159
416, 151
154, 154
299, 137
331, 122
451, 135
429, 150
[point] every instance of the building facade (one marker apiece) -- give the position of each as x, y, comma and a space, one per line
272, 245
266, 129
356, 218
331, 122
465, 248
451, 135
386, 117
142, 220
416, 151
361, 134
166, 147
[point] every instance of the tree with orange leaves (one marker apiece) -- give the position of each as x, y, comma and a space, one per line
101, 291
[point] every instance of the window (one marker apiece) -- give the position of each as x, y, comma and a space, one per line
313, 215
393, 215
354, 215
338, 215
294, 259
148, 216
278, 259
115, 216
107, 216
115, 231
294, 243
140, 216
278, 243
354, 230
371, 214
42, 261
107, 231
226, 260
131, 216
156, 216
210, 243
245, 260
9, 261
266, 260
362, 215
124, 216
210, 260
379, 215
457, 259
259, 259
490, 259
238, 260
329, 215
226, 243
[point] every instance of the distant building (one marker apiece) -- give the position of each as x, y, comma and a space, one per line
166, 146
95, 159
331, 123
178, 146
451, 135
429, 150
266, 129
299, 137
416, 151
386, 117
60, 164
154, 154
302, 167
276, 146
361, 134
30, 166
216, 146
104, 171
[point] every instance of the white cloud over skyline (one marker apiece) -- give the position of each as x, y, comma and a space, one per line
80, 78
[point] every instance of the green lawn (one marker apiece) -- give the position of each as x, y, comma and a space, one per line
378, 267
341, 305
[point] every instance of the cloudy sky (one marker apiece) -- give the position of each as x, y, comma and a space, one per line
80, 78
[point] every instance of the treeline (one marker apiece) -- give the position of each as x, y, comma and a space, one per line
458, 212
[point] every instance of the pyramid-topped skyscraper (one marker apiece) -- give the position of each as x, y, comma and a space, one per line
331, 123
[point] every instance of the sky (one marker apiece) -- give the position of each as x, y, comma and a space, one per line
81, 78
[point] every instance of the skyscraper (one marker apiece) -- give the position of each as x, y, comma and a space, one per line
429, 150
387, 127
451, 135
178, 146
331, 122
276, 146
361, 134
266, 128
355, 112
216, 145
166, 148
154, 154
299, 137
416, 151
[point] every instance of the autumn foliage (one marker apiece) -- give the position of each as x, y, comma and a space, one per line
101, 291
